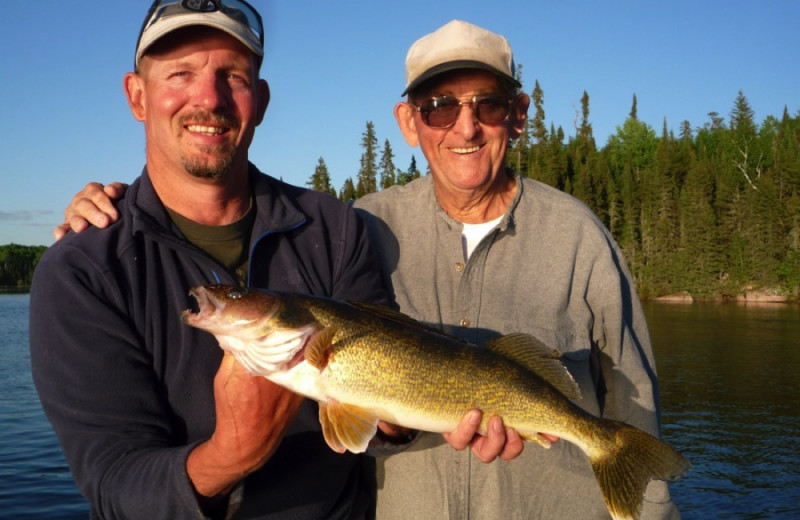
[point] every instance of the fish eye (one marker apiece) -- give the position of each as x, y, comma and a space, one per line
236, 293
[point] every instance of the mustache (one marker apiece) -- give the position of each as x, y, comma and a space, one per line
204, 117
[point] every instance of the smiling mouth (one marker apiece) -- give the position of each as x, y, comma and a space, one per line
207, 130
465, 150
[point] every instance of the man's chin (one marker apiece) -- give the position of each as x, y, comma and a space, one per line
206, 169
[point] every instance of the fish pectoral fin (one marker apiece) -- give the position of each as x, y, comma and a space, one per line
347, 427
318, 347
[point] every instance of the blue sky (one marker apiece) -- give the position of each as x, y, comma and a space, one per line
333, 66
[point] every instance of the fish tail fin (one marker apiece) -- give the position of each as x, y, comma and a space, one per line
631, 459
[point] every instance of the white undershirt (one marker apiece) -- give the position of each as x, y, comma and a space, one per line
472, 234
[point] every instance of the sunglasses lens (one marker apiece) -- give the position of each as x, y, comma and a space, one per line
442, 112
238, 10
244, 13
492, 110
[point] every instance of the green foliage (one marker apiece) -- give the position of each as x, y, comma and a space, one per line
710, 212
17, 264
387, 167
348, 191
321, 180
410, 174
367, 173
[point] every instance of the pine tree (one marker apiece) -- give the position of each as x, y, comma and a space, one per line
348, 191
367, 173
538, 128
387, 167
519, 150
659, 215
321, 180
786, 165
410, 174
536, 140
699, 261
585, 130
554, 162
748, 159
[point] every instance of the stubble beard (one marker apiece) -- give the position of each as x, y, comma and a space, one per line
211, 169
221, 160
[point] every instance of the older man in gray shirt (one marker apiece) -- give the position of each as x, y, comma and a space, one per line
478, 251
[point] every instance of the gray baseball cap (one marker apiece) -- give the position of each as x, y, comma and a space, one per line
458, 45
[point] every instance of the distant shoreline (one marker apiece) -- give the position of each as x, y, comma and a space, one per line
14, 290
756, 297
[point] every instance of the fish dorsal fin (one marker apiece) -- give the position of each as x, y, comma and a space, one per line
529, 352
347, 427
318, 347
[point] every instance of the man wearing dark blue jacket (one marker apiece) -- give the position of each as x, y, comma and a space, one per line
154, 421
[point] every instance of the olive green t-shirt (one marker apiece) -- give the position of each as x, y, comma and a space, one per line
228, 244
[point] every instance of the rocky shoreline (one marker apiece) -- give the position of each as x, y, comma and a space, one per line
745, 296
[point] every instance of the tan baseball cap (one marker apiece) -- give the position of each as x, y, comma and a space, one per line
458, 45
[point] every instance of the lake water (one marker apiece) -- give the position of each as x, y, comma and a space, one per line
730, 392
35, 482
730, 389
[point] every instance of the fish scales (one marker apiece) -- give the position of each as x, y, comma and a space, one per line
442, 375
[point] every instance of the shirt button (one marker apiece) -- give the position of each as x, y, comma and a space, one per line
459, 267
464, 322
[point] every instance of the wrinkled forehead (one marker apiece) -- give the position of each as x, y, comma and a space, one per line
455, 82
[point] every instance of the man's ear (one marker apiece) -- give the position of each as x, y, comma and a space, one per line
133, 84
404, 114
263, 94
519, 113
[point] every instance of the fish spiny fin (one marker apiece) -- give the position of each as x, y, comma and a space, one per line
347, 427
318, 347
530, 353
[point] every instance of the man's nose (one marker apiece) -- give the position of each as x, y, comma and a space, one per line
467, 124
212, 91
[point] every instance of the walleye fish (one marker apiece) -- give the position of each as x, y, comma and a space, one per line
364, 363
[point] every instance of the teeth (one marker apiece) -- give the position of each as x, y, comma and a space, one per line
471, 149
209, 130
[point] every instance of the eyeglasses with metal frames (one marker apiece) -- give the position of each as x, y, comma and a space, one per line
443, 111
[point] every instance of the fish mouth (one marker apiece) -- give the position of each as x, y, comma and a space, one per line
208, 307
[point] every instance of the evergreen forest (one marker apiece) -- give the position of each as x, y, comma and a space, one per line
713, 211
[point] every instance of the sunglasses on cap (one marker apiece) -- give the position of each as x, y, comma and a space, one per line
236, 15
443, 111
